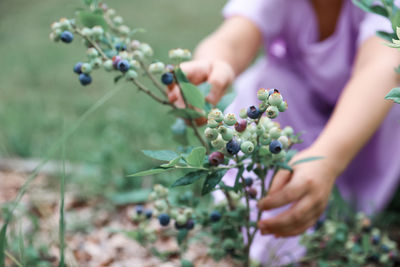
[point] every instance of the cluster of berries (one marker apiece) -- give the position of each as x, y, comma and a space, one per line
62, 30
230, 136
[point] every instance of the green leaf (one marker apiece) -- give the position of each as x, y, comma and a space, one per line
164, 155
394, 95
204, 88
180, 76
212, 181
182, 235
150, 172
192, 95
386, 35
380, 10
117, 78
186, 113
306, 160
135, 196
186, 263
90, 19
284, 165
196, 157
237, 180
395, 21
361, 5
87, 2
226, 100
3, 239
189, 178
172, 163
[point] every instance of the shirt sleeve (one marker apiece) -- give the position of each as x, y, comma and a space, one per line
267, 15
372, 23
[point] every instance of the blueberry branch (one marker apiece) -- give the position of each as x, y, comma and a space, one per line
94, 44
142, 88
156, 84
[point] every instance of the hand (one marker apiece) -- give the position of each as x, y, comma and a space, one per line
216, 72
308, 187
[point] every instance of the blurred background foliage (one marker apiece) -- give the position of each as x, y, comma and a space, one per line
39, 93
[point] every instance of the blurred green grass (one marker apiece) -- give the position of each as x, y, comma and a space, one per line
39, 93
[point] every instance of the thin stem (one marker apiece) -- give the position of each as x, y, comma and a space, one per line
142, 88
8, 254
94, 44
155, 82
192, 121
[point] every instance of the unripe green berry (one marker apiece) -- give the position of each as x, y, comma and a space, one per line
211, 133
188, 212
226, 133
283, 106
176, 54
181, 219
218, 143
284, 140
187, 55
288, 131
138, 55
153, 196
243, 113
262, 94
124, 55
131, 74
86, 68
87, 32
65, 24
272, 112
174, 213
124, 30
156, 68
216, 114
265, 139
135, 65
275, 99
252, 128
230, 119
97, 31
54, 37
228, 244
280, 156
92, 53
55, 26
108, 65
110, 12
118, 20
275, 132
96, 63
160, 205
260, 130
212, 123
134, 45
247, 147
146, 50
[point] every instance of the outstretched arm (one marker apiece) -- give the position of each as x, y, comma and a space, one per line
359, 112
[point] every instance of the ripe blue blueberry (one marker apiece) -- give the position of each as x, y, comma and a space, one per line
66, 37
167, 78
215, 216
275, 147
216, 158
85, 79
375, 239
233, 147
248, 182
252, 193
123, 65
164, 219
148, 213
77, 68
190, 224
139, 209
253, 112
120, 47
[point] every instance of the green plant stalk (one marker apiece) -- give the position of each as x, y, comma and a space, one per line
151, 76
49, 154
8, 254
62, 221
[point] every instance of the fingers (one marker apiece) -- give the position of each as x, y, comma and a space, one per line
291, 192
293, 221
221, 76
196, 71
280, 180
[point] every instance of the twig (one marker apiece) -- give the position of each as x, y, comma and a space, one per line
156, 84
94, 44
142, 88
8, 254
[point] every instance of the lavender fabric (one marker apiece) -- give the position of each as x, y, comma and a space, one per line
311, 75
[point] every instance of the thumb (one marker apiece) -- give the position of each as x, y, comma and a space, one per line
220, 77
280, 180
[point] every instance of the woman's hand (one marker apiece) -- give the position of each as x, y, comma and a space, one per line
308, 187
218, 73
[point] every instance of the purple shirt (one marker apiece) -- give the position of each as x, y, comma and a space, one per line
311, 75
